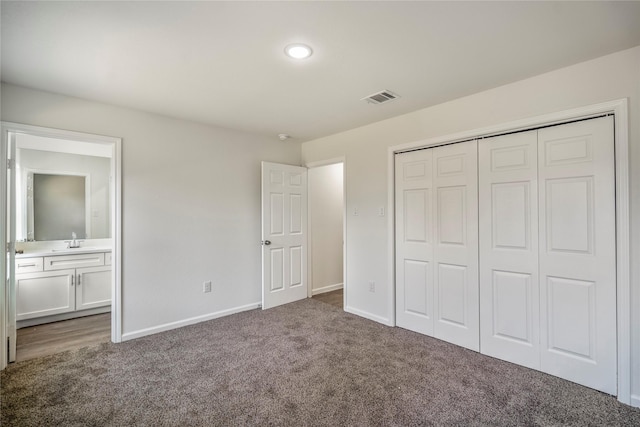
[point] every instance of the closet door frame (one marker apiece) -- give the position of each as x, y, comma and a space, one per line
619, 108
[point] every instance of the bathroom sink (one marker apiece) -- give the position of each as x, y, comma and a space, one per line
84, 248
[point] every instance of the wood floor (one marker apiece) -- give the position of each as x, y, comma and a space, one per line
334, 298
42, 340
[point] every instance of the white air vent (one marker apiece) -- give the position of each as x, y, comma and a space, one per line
381, 97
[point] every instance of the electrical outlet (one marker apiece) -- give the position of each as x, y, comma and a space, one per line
381, 211
372, 286
355, 212
206, 287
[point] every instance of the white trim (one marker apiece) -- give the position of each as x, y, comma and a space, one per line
116, 210
623, 250
635, 400
309, 240
4, 320
345, 218
368, 315
32, 142
523, 124
391, 240
190, 321
116, 264
620, 109
329, 288
326, 162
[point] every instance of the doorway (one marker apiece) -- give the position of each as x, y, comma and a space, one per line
63, 253
326, 232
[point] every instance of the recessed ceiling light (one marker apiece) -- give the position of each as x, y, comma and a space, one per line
298, 51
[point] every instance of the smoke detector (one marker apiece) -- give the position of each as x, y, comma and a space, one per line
283, 136
381, 97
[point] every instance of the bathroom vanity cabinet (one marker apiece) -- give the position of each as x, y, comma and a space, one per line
70, 284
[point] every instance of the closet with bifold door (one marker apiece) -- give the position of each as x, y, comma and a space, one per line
506, 245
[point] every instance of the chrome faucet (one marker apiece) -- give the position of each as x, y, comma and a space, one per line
73, 243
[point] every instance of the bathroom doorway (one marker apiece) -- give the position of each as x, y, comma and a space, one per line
63, 217
327, 232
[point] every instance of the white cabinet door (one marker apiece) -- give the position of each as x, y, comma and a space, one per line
93, 287
414, 241
509, 290
577, 252
44, 294
284, 234
455, 198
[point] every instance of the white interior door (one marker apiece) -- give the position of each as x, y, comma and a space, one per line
509, 290
577, 252
456, 294
414, 241
284, 234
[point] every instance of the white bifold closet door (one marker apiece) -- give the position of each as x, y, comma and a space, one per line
437, 243
509, 291
547, 251
414, 241
578, 252
536, 283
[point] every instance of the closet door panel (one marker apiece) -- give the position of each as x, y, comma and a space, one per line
577, 252
509, 290
455, 252
414, 242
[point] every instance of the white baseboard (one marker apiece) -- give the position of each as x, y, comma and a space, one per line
325, 289
367, 315
635, 400
186, 322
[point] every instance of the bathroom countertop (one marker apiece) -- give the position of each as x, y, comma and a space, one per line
62, 251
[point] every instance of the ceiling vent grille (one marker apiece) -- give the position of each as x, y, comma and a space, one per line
381, 97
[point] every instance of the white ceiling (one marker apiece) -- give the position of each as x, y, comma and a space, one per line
222, 63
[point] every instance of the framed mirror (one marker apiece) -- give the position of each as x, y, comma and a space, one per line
62, 188
57, 206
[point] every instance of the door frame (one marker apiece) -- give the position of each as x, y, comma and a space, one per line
619, 108
316, 164
116, 218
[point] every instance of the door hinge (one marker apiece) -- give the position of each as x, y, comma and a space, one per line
11, 163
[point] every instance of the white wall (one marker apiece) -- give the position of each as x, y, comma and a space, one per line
326, 204
191, 204
365, 149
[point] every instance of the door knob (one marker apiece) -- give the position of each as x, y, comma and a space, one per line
266, 242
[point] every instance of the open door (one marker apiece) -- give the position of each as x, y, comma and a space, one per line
9, 193
284, 234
